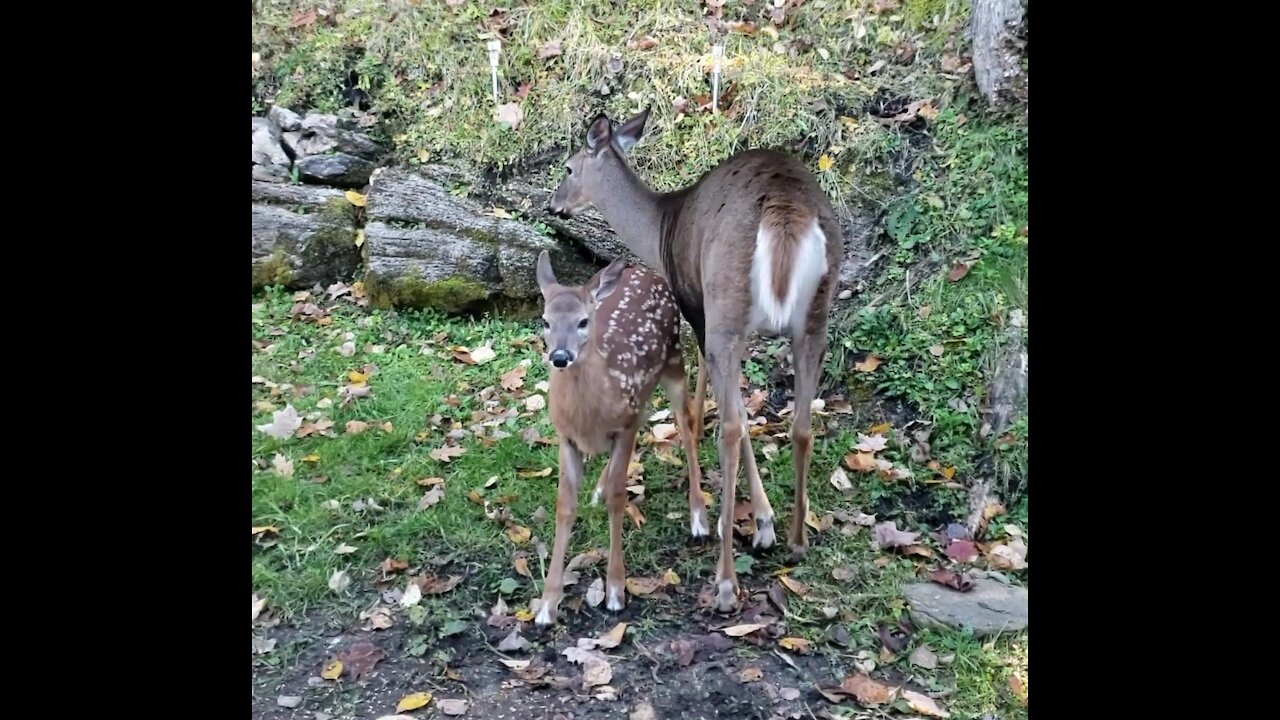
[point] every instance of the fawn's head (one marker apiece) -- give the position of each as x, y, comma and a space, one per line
568, 312
605, 149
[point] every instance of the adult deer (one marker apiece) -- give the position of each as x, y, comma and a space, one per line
752, 247
610, 343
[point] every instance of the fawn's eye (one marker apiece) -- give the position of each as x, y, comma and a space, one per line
568, 170
545, 325
582, 325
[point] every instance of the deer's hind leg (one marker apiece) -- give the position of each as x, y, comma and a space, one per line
687, 413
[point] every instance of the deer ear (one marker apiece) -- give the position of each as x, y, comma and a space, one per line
546, 277
607, 280
599, 132
630, 132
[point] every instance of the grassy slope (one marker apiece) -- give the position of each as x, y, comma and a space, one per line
955, 188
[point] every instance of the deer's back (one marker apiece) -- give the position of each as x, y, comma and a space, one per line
634, 338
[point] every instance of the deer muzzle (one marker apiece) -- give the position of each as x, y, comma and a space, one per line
561, 358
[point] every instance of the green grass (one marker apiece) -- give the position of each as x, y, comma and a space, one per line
421, 390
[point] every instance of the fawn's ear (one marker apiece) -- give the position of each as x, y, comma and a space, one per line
606, 281
599, 133
630, 132
546, 277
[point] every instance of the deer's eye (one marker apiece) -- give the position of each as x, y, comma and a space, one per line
545, 325
568, 170
582, 325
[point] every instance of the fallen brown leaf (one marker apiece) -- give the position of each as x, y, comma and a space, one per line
951, 579
844, 573
840, 481
643, 43
518, 533
513, 379
867, 691
962, 551
452, 706
751, 674
741, 630
432, 496
860, 461
887, 535
549, 49
522, 566
868, 365
544, 472
360, 658
435, 585
795, 644
641, 586
959, 271
924, 704
447, 453
893, 640
924, 657
794, 586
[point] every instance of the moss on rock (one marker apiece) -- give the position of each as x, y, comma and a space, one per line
274, 270
452, 294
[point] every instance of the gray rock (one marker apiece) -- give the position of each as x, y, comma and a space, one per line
315, 120
323, 140
270, 173
989, 608
289, 701
302, 236
451, 239
284, 119
267, 149
338, 169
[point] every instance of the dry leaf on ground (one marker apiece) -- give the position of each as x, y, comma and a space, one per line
513, 642
447, 453
282, 465
518, 534
609, 640
283, 423
840, 481
924, 657
952, 579
795, 644
513, 115
595, 593
596, 669
412, 595
868, 365
413, 701
751, 674
452, 706
339, 581
794, 585
513, 379
887, 535
432, 496
435, 585
924, 704
741, 630
258, 605
360, 658
867, 691
332, 671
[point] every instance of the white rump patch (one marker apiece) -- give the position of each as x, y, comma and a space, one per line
768, 316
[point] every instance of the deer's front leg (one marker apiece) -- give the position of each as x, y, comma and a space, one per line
615, 488
566, 513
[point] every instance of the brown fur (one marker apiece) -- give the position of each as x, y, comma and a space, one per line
703, 239
597, 403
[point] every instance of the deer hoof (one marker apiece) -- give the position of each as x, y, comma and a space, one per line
763, 538
546, 616
798, 551
617, 598
726, 596
698, 524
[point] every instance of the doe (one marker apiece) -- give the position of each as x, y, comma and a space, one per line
751, 247
610, 343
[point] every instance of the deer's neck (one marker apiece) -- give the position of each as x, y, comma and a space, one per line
634, 211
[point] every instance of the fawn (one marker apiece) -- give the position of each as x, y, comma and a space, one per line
610, 343
751, 247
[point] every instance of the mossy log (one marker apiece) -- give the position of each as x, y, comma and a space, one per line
302, 236
427, 247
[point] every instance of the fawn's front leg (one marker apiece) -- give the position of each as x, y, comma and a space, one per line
615, 489
566, 513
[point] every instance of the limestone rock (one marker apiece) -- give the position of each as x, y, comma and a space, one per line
990, 607
339, 169
425, 246
301, 236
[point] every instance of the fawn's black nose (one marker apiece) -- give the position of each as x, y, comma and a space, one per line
561, 358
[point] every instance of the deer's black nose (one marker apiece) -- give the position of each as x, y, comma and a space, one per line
561, 358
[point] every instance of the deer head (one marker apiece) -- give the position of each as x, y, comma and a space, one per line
568, 312
588, 170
